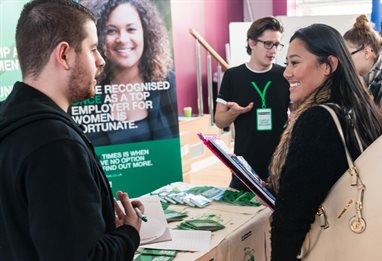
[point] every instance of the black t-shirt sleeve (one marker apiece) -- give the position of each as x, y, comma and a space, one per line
224, 92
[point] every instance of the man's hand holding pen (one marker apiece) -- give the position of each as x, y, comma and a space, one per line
132, 212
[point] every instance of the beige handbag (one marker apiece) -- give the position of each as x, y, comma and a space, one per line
348, 225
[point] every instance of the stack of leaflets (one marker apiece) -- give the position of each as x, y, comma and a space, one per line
240, 198
214, 193
197, 200
209, 192
156, 255
240, 167
201, 224
172, 215
184, 198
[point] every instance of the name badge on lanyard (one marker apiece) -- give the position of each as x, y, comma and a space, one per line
263, 114
264, 119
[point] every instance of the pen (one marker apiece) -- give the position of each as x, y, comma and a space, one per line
140, 215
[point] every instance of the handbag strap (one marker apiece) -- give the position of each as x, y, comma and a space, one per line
357, 224
358, 140
340, 131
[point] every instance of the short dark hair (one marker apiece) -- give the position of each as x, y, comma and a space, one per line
259, 26
42, 25
156, 61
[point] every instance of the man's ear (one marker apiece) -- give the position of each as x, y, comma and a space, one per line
62, 54
333, 61
251, 43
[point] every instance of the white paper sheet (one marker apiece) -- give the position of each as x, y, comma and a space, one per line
185, 240
156, 228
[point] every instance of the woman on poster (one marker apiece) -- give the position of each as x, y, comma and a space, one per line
138, 76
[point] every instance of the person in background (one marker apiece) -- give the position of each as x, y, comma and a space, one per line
310, 157
56, 202
255, 98
135, 45
364, 45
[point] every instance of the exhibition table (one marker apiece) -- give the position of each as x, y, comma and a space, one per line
242, 239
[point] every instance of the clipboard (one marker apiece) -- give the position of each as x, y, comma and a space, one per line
240, 168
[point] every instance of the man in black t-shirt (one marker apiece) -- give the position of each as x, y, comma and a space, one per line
255, 97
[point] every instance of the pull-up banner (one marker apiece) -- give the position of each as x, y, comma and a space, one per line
9, 65
132, 120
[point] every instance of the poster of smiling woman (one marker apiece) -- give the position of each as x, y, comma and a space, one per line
136, 99
132, 120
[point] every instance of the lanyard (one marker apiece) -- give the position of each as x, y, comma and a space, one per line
262, 93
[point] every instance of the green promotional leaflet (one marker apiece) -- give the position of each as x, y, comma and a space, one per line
135, 167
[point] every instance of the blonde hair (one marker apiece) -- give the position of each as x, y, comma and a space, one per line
279, 156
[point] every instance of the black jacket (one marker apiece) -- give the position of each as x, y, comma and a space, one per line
56, 203
315, 161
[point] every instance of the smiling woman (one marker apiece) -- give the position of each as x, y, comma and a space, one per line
124, 41
310, 157
304, 73
135, 44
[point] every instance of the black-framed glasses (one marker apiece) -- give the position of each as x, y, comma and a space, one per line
269, 44
358, 50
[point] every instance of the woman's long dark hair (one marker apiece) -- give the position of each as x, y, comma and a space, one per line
346, 88
342, 87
